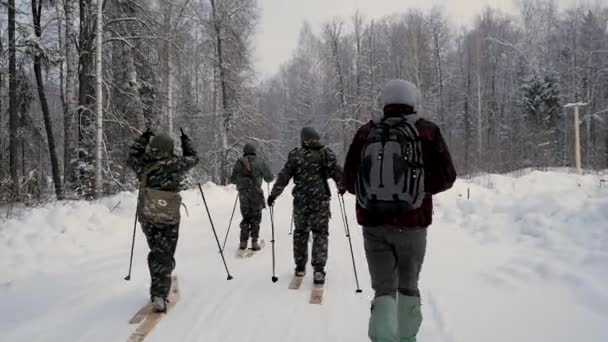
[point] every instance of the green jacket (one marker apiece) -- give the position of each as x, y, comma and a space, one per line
248, 174
252, 175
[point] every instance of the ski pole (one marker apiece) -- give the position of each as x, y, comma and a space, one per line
214, 232
274, 275
345, 218
343, 211
128, 277
230, 223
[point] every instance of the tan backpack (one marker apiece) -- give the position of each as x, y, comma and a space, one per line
157, 206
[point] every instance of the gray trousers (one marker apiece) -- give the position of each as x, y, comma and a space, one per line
395, 257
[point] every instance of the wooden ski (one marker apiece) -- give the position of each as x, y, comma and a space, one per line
295, 283
251, 252
141, 314
152, 318
316, 295
248, 253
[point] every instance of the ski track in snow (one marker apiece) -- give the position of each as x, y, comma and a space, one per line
525, 258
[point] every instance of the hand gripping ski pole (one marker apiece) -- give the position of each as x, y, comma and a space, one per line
214, 232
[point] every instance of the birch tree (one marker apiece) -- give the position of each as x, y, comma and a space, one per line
71, 99
38, 57
99, 101
12, 105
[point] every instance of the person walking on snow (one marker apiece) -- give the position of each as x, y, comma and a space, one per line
159, 172
247, 175
310, 166
395, 226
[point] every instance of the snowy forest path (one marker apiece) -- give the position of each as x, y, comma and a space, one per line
497, 268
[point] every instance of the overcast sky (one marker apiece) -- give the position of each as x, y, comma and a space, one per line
281, 20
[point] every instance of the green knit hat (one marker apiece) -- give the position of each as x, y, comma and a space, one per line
249, 149
309, 136
161, 145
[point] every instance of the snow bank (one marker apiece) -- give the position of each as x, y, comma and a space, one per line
509, 258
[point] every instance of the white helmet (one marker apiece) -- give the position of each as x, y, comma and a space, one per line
400, 92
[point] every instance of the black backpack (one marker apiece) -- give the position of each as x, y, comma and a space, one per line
391, 175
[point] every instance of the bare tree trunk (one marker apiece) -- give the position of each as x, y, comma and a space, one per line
99, 101
479, 107
465, 63
372, 68
358, 26
36, 13
437, 29
1, 86
60, 34
71, 101
167, 98
225, 102
25, 103
12, 101
86, 136
334, 32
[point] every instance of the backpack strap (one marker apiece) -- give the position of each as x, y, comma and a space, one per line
246, 163
411, 118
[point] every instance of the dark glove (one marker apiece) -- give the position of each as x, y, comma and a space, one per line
148, 133
271, 200
183, 136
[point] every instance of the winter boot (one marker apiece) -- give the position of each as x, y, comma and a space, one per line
319, 278
243, 245
410, 317
300, 271
159, 304
255, 245
383, 321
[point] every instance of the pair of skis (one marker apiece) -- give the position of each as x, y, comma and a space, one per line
316, 294
248, 253
147, 318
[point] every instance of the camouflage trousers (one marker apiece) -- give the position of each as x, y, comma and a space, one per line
309, 219
162, 240
250, 225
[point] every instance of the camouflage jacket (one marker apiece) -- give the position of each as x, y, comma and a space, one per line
170, 171
310, 167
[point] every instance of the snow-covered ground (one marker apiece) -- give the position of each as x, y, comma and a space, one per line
524, 259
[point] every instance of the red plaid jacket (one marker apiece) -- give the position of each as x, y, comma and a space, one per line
439, 175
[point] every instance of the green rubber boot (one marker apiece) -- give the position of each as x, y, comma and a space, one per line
383, 321
410, 317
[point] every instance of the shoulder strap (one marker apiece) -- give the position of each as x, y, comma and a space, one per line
246, 163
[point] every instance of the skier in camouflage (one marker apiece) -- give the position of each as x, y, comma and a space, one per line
310, 166
248, 174
156, 166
